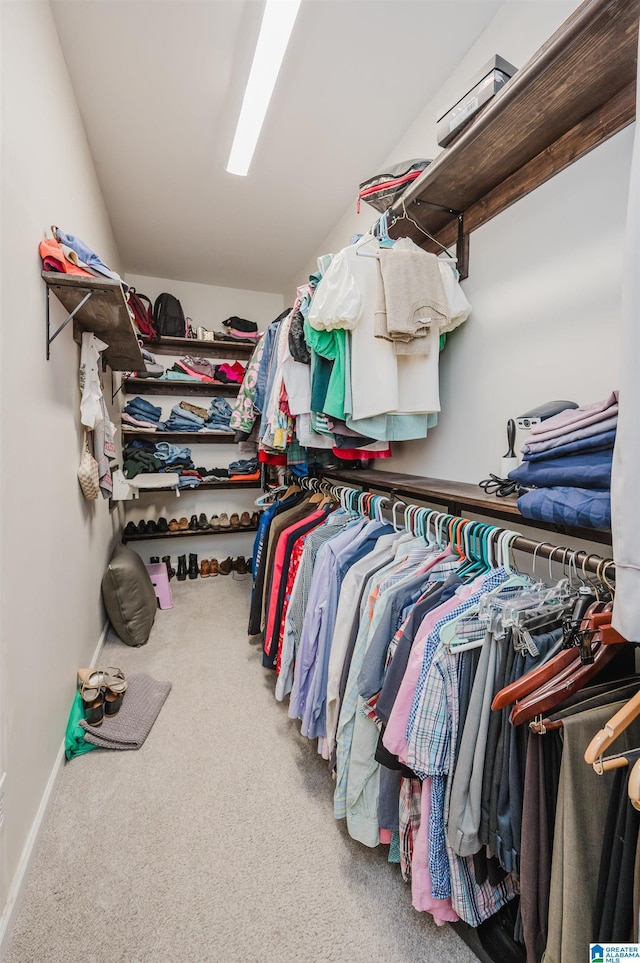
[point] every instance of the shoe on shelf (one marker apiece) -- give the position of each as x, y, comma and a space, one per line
182, 568
152, 528
240, 565
193, 523
130, 529
245, 520
203, 524
255, 519
141, 527
225, 567
183, 524
234, 521
214, 523
154, 560
162, 525
167, 561
193, 565
224, 521
213, 566
205, 568
174, 525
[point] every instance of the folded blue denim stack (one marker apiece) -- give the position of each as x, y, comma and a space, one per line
244, 466
143, 411
219, 415
181, 419
567, 465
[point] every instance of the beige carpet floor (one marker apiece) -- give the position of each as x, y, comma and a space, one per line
216, 840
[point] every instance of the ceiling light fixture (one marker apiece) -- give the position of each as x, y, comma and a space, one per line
277, 24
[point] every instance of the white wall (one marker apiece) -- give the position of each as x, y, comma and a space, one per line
54, 544
544, 280
207, 305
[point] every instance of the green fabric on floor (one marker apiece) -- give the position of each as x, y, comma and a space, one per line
74, 740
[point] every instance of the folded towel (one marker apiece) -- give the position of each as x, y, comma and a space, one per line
128, 729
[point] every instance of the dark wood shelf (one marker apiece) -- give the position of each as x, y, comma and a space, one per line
455, 497
201, 349
183, 437
204, 486
575, 92
187, 533
104, 312
154, 386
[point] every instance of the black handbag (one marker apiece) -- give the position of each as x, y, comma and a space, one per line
381, 190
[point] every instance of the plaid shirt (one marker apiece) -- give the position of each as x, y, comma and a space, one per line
434, 734
409, 813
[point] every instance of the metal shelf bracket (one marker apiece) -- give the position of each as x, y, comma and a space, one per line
51, 337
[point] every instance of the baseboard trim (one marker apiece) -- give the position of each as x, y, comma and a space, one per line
17, 886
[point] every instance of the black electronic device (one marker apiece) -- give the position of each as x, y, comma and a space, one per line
542, 412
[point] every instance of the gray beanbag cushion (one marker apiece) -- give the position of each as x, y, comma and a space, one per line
129, 596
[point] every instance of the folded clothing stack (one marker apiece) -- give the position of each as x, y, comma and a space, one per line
140, 413
245, 469
229, 374
142, 456
238, 329
567, 465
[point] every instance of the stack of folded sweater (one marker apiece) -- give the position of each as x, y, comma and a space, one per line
567, 466
140, 413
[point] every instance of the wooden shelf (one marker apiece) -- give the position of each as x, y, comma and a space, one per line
455, 497
575, 92
187, 533
200, 349
155, 386
183, 437
203, 486
104, 312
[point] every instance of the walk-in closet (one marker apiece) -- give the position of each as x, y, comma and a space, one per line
319, 596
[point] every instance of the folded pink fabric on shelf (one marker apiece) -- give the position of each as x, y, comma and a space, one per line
135, 423
573, 418
590, 431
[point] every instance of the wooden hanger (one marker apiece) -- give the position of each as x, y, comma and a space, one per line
575, 677
543, 675
634, 785
608, 735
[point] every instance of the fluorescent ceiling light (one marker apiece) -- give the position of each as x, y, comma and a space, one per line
277, 24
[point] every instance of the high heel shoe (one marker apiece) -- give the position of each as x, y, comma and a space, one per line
92, 704
114, 687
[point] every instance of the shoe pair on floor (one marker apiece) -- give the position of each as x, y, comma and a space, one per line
102, 692
210, 567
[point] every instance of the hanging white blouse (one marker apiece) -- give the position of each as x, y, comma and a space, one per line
337, 302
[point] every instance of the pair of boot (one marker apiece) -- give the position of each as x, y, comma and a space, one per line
155, 559
190, 570
238, 565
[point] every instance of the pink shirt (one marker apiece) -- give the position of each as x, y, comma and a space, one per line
394, 736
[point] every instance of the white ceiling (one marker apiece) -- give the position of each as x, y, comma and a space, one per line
160, 83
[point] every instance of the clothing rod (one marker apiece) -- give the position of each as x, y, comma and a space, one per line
586, 561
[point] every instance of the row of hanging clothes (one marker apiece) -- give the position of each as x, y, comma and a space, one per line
454, 698
353, 366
